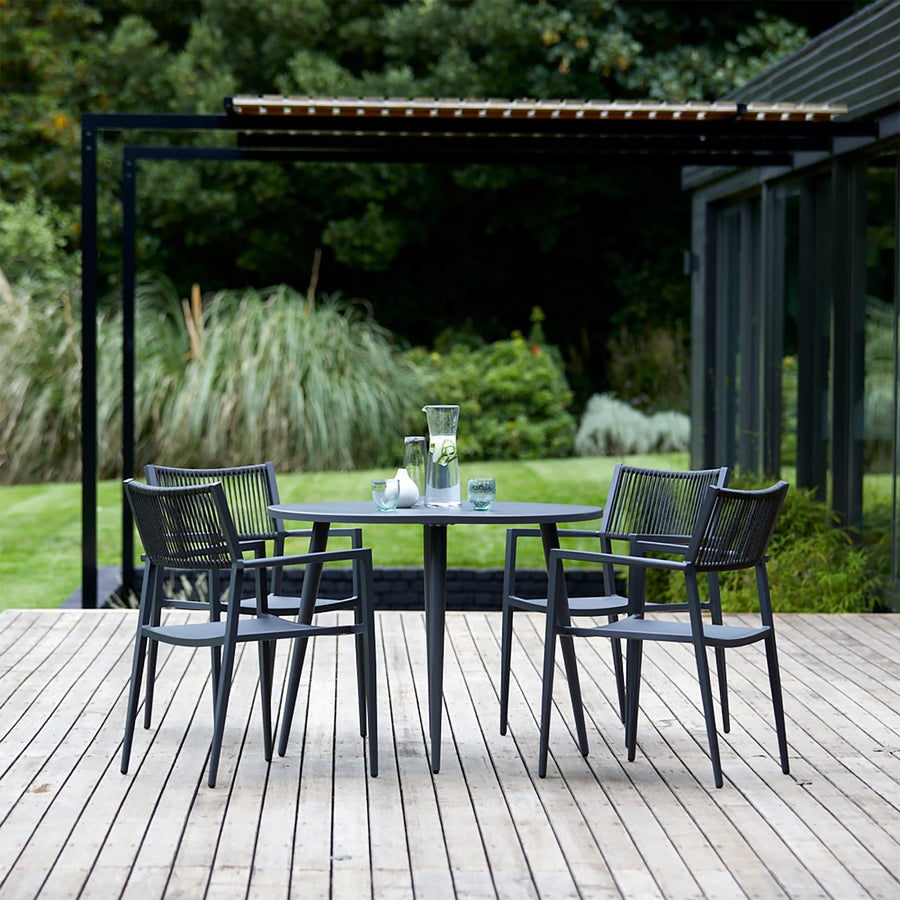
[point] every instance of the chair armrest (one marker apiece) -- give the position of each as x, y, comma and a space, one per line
516, 533
325, 556
355, 534
512, 539
659, 543
650, 562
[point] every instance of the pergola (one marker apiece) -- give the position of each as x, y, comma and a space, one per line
306, 129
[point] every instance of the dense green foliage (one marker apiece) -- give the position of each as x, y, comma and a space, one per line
650, 369
513, 395
40, 369
241, 375
426, 245
814, 565
270, 374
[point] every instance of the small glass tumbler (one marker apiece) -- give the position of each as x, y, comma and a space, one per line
481, 493
386, 493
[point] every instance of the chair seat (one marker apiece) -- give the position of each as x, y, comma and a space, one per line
289, 606
635, 629
581, 606
205, 634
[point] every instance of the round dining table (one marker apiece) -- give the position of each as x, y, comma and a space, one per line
434, 521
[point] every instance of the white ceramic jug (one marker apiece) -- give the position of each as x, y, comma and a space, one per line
409, 493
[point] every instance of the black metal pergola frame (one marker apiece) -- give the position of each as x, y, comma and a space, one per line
424, 131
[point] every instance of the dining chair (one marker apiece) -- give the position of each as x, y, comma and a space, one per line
640, 500
732, 533
250, 490
190, 528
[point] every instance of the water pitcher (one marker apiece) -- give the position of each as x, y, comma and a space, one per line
442, 463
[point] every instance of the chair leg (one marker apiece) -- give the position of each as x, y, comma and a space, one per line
547, 694
151, 681
371, 697
709, 712
214, 586
266, 675
221, 708
290, 701
715, 609
722, 674
150, 615
634, 651
567, 646
137, 665
154, 618
777, 701
506, 636
619, 670
367, 615
361, 673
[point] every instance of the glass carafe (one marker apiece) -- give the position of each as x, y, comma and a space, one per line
442, 463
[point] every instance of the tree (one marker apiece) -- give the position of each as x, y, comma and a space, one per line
429, 246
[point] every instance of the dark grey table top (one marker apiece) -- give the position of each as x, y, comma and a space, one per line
501, 513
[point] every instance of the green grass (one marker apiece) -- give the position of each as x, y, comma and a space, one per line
40, 525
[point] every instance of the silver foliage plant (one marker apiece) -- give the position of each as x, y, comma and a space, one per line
611, 427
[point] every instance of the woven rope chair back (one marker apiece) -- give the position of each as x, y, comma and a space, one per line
655, 501
249, 491
184, 527
736, 528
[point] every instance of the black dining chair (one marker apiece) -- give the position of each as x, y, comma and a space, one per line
732, 533
191, 529
660, 502
250, 490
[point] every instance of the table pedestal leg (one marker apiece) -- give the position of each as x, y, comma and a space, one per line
312, 578
435, 551
550, 539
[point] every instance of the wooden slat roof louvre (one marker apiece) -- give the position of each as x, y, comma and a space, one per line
422, 108
726, 132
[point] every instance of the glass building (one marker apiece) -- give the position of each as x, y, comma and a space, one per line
795, 370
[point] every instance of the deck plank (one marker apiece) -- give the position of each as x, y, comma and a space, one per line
314, 824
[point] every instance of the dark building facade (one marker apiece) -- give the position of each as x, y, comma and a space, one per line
795, 318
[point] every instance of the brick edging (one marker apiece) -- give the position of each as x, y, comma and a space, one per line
402, 587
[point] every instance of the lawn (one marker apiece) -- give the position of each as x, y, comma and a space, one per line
40, 525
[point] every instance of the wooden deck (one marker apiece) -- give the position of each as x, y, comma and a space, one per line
313, 824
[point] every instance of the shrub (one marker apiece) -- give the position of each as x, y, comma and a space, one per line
270, 377
247, 375
513, 397
610, 427
32, 242
815, 566
650, 370
40, 368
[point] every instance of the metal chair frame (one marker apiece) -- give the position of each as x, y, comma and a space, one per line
650, 501
732, 533
250, 490
191, 529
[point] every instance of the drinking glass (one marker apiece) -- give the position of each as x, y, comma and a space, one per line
386, 493
481, 493
414, 449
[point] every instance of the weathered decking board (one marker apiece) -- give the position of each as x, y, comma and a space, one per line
313, 824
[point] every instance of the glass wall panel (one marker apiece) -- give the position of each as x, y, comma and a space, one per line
789, 370
728, 272
880, 455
